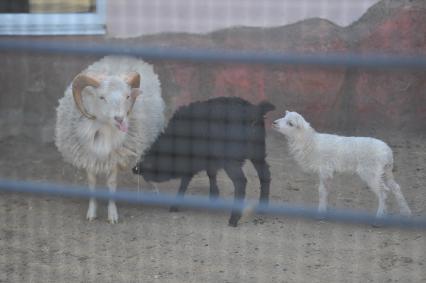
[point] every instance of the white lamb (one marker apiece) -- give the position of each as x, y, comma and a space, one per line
324, 154
107, 118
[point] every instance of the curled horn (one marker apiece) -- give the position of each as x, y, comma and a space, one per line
79, 83
133, 80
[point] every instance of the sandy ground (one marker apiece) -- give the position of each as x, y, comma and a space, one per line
47, 239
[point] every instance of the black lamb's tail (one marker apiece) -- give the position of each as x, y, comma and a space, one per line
265, 106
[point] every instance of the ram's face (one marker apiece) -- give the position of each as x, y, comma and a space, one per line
112, 103
106, 99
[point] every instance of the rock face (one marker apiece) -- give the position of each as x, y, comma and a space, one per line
332, 98
337, 99
396, 97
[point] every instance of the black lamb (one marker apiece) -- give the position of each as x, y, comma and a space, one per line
220, 133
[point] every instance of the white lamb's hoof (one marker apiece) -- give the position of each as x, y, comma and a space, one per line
155, 189
112, 213
91, 211
322, 210
90, 217
321, 213
406, 213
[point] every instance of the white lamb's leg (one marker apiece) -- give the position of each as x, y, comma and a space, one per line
154, 187
112, 185
91, 211
381, 210
374, 179
378, 187
396, 190
323, 193
156, 190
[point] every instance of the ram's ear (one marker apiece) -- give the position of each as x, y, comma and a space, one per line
133, 79
134, 93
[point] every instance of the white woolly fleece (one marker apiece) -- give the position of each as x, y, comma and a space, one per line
99, 147
324, 154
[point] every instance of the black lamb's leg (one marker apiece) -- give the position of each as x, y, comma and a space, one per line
182, 189
214, 191
239, 180
264, 174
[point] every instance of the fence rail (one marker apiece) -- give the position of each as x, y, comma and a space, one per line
204, 203
417, 62
365, 60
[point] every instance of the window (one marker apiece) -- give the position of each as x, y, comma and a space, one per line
52, 17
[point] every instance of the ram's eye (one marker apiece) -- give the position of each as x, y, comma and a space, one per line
102, 97
128, 97
290, 123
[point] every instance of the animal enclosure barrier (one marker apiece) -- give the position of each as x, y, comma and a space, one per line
217, 160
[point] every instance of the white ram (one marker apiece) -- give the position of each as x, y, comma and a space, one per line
107, 118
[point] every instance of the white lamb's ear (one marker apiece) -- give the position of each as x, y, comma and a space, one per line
303, 123
299, 122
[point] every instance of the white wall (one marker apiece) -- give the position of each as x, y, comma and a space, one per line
129, 18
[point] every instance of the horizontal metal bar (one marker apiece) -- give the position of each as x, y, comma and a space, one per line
365, 60
153, 199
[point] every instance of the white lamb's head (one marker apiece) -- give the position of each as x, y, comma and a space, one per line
106, 99
292, 125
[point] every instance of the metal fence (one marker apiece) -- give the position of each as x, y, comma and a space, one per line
375, 61
16, 263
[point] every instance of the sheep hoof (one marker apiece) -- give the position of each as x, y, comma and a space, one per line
233, 222
406, 213
91, 211
320, 217
90, 219
263, 205
376, 225
321, 214
112, 213
90, 216
174, 209
113, 220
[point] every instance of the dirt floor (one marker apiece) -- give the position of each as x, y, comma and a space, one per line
47, 239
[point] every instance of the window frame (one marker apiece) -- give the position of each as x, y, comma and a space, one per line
55, 23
